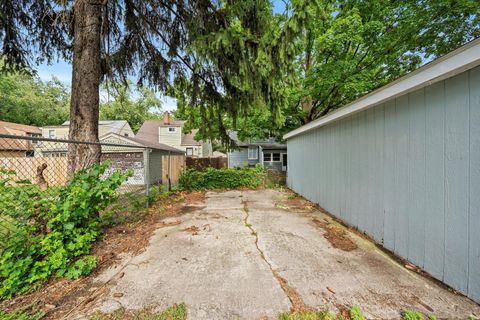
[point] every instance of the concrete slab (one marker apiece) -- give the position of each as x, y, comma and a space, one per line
240, 257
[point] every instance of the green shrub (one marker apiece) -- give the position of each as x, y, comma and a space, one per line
224, 178
55, 228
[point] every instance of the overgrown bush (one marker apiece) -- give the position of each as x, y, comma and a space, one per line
224, 178
54, 229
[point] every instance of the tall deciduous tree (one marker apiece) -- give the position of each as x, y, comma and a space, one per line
354, 46
29, 100
232, 52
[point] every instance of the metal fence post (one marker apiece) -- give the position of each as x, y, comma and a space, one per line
146, 166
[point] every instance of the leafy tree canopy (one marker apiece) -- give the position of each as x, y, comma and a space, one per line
123, 104
354, 46
345, 49
26, 99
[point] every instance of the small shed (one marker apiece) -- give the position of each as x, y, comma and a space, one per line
402, 164
134, 153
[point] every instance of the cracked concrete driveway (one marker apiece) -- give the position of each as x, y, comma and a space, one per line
241, 256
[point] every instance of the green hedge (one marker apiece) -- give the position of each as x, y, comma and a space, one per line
231, 178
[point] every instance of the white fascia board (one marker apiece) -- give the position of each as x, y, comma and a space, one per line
458, 61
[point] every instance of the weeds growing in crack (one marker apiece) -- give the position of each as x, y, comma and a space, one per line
295, 299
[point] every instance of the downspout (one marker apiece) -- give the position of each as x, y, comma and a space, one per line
260, 154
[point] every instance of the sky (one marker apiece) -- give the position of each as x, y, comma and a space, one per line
62, 70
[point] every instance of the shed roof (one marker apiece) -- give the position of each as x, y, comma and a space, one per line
143, 143
453, 63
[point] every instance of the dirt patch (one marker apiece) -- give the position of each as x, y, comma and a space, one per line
297, 203
188, 209
58, 296
337, 237
195, 197
298, 305
193, 230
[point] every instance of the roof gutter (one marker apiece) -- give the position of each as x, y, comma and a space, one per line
453, 63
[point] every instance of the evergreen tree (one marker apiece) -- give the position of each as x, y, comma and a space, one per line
232, 53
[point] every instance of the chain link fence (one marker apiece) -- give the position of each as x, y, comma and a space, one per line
29, 160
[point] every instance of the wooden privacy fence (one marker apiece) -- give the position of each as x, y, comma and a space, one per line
26, 169
203, 163
172, 167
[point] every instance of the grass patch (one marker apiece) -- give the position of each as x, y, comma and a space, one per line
175, 312
354, 314
28, 313
415, 315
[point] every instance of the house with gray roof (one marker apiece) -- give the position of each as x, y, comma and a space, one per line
170, 132
267, 152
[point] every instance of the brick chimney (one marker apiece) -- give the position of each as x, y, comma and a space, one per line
166, 117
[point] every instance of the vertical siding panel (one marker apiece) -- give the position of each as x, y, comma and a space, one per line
340, 160
389, 184
331, 167
435, 177
348, 161
474, 219
416, 216
370, 170
355, 170
335, 169
362, 171
401, 178
321, 159
378, 171
321, 178
456, 169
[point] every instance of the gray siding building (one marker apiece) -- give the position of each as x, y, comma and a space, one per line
269, 153
402, 164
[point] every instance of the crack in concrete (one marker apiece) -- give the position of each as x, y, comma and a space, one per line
298, 305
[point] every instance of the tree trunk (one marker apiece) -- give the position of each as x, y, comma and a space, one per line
86, 74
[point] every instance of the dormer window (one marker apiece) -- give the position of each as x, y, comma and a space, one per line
172, 129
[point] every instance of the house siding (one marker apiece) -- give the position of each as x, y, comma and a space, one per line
407, 173
239, 158
170, 138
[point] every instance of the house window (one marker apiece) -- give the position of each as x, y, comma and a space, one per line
172, 129
51, 133
125, 134
252, 153
189, 151
271, 157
